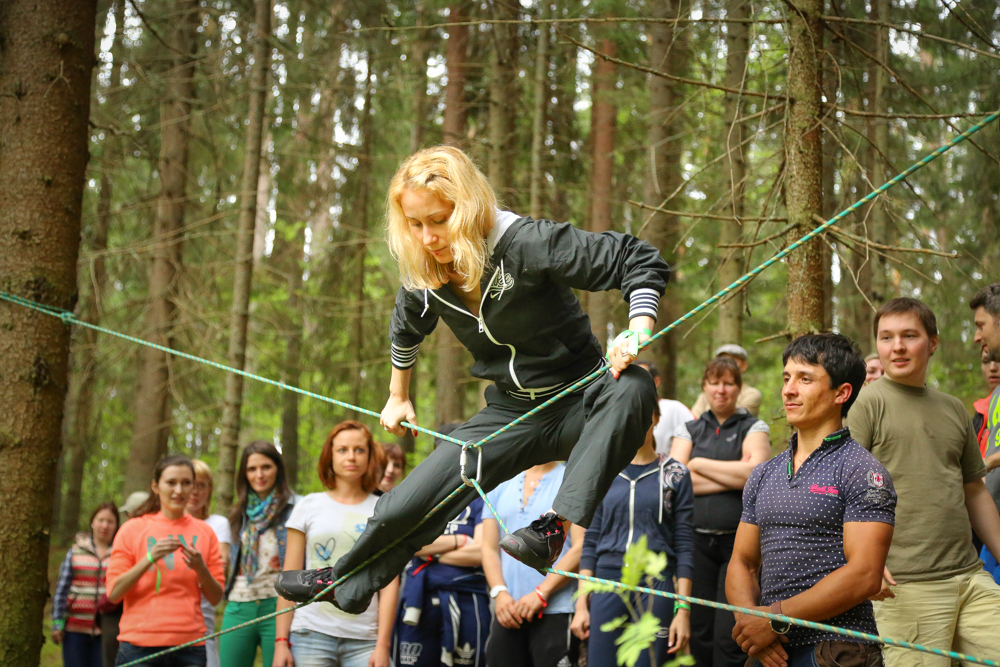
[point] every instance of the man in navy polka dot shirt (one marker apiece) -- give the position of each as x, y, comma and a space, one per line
817, 521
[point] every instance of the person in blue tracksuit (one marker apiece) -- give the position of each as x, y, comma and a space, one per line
651, 497
444, 608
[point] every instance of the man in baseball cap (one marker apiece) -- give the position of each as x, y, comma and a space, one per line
750, 397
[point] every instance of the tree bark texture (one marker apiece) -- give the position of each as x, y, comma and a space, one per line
603, 112
419, 46
449, 395
151, 429
730, 326
46, 61
239, 314
77, 427
878, 138
804, 167
504, 94
539, 124
361, 249
565, 168
457, 56
668, 50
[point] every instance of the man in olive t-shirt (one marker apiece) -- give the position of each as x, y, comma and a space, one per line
940, 595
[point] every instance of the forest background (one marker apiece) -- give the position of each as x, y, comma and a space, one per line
240, 152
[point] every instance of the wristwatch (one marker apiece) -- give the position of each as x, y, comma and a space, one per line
779, 627
497, 590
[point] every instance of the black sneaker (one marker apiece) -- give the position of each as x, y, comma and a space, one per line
304, 585
538, 545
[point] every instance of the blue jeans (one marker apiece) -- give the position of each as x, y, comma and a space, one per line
315, 649
192, 656
81, 650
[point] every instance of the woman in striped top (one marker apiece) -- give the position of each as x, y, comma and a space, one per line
81, 584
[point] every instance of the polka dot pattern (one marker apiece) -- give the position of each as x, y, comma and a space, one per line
801, 519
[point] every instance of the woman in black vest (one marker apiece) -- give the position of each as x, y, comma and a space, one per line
720, 448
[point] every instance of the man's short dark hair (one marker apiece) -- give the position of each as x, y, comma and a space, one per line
837, 354
905, 304
989, 298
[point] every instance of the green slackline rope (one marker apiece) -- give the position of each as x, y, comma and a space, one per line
68, 318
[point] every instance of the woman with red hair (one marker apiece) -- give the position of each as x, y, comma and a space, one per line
322, 528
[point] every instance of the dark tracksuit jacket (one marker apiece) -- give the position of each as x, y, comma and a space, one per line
532, 339
655, 500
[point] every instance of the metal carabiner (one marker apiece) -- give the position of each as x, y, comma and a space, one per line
463, 459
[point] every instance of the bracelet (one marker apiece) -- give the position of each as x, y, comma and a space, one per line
541, 596
283, 639
149, 557
456, 541
681, 605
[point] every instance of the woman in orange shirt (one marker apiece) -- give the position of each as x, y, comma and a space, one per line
162, 561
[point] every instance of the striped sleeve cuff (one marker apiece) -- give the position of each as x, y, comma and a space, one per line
643, 301
403, 357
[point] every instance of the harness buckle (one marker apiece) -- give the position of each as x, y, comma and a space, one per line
463, 459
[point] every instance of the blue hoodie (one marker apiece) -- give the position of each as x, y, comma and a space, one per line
655, 500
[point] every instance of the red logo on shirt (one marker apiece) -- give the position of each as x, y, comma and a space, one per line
824, 490
876, 480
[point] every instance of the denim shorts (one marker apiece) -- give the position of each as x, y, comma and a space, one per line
315, 649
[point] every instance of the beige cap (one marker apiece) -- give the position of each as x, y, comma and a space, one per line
133, 501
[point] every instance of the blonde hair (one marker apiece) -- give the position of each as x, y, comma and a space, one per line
203, 471
451, 175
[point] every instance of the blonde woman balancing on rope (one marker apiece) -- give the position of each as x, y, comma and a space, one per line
503, 283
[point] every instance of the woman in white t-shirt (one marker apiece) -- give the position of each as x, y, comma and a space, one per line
198, 506
322, 528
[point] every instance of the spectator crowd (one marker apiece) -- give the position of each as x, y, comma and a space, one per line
880, 516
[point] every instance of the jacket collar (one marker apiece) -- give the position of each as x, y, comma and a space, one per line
503, 232
735, 418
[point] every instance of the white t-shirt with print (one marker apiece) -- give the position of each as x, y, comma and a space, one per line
331, 529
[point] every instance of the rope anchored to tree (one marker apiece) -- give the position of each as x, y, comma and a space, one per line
69, 318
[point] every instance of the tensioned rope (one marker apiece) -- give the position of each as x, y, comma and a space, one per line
68, 318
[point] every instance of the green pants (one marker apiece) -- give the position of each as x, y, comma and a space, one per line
239, 647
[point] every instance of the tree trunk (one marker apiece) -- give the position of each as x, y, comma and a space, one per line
831, 159
730, 326
77, 429
539, 119
239, 315
418, 54
457, 65
804, 167
291, 370
878, 135
668, 51
151, 430
357, 344
448, 404
604, 114
565, 168
46, 64
503, 105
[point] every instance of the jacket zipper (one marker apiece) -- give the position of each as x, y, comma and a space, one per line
484, 329
631, 500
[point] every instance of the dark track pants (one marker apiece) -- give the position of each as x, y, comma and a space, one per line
597, 432
420, 645
712, 643
542, 642
606, 607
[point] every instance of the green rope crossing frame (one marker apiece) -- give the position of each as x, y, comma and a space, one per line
69, 318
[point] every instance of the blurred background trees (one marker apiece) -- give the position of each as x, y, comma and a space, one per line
239, 171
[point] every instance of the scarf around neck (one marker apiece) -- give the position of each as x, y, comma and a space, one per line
259, 515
